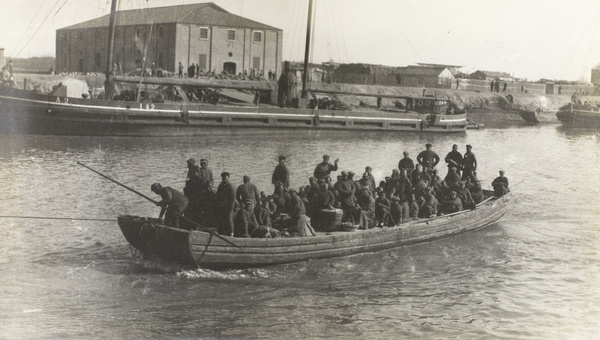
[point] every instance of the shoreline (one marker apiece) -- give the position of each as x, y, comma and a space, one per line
481, 107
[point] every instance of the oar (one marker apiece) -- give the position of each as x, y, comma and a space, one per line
155, 202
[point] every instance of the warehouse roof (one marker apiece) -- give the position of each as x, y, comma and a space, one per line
203, 13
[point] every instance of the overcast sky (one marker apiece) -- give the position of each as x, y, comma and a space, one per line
555, 39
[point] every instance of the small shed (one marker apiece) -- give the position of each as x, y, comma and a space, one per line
425, 76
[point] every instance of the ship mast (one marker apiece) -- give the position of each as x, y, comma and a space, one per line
109, 56
307, 50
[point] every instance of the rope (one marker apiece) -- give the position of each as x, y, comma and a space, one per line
61, 218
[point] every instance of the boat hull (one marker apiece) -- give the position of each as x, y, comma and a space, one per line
25, 112
205, 250
579, 119
538, 116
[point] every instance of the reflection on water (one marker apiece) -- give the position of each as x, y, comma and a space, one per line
77, 279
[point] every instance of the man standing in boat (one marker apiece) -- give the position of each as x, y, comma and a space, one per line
454, 159
406, 163
469, 163
225, 199
428, 158
193, 191
247, 191
172, 205
325, 168
281, 173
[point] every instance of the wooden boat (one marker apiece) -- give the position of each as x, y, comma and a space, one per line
30, 113
575, 116
198, 248
27, 112
539, 115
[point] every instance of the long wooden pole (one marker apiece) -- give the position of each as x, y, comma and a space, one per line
307, 50
109, 53
155, 202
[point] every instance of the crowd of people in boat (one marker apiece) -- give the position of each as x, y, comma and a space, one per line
413, 190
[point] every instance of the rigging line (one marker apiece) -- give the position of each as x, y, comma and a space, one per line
328, 32
335, 33
336, 24
344, 44
292, 28
29, 25
401, 32
63, 5
312, 36
328, 35
297, 35
61, 218
39, 27
588, 54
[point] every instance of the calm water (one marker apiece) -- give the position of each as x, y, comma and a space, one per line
535, 275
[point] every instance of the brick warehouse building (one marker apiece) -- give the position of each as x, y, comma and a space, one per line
199, 33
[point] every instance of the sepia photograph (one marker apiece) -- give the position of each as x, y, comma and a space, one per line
300, 169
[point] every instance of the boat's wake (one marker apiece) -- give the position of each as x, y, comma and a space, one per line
226, 275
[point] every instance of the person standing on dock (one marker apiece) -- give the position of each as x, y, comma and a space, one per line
428, 158
172, 205
469, 164
281, 173
325, 168
180, 70
225, 199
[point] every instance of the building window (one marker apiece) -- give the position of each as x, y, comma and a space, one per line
203, 33
202, 62
138, 32
161, 31
160, 60
257, 37
230, 34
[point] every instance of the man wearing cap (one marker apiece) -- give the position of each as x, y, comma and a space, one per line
452, 179
352, 181
281, 173
454, 159
325, 168
172, 205
225, 199
206, 175
451, 205
406, 163
469, 163
500, 185
281, 199
382, 210
193, 191
428, 158
346, 190
369, 172
245, 222
247, 191
365, 181
298, 223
